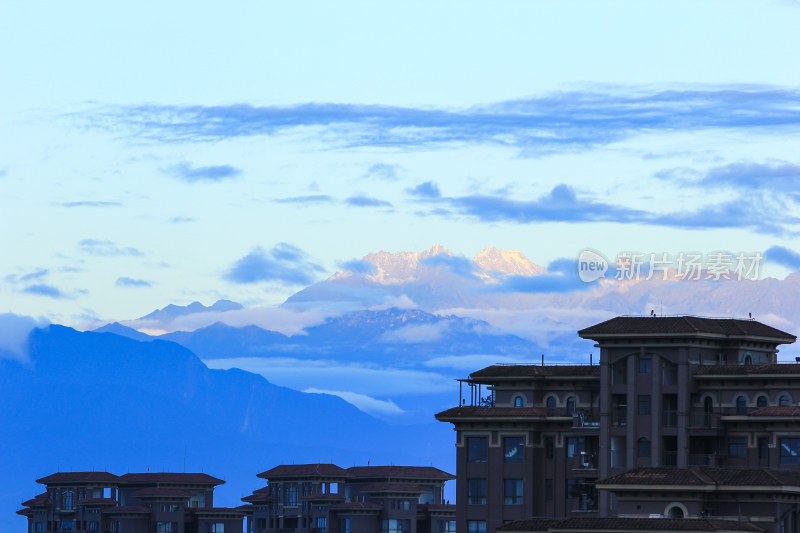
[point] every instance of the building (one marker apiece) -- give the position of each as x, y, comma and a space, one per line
684, 397
132, 503
322, 498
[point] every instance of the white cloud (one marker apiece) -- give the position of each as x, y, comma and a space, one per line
413, 334
14, 331
472, 362
367, 404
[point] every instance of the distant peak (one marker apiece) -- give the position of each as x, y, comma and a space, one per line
513, 262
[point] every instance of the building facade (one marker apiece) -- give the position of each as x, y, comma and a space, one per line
132, 503
674, 393
324, 498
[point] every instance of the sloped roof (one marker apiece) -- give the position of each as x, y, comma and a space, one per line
393, 487
777, 410
323, 496
399, 472
536, 524
685, 325
492, 412
309, 470
37, 502
98, 501
257, 498
161, 493
127, 509
79, 477
357, 506
189, 478
747, 370
537, 371
703, 476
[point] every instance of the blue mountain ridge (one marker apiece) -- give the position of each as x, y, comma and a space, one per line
102, 401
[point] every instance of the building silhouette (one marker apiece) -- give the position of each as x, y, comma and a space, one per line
683, 418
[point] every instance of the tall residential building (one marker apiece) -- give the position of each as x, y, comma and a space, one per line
676, 399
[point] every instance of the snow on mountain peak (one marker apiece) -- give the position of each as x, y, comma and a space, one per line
400, 267
491, 259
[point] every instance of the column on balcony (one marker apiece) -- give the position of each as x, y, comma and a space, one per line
630, 413
604, 449
656, 410
683, 404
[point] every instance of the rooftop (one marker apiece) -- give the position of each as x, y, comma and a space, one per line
537, 371
79, 477
308, 470
399, 472
189, 478
704, 476
467, 411
685, 326
630, 524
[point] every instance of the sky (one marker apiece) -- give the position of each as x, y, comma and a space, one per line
165, 152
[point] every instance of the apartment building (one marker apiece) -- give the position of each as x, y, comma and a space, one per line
672, 398
151, 502
322, 498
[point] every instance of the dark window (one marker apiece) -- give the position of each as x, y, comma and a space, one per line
476, 491
322, 525
513, 449
548, 489
737, 447
761, 401
643, 447
790, 451
570, 405
575, 445
518, 401
763, 447
290, 495
447, 526
619, 373
395, 526
67, 525
67, 502
669, 373
344, 525
476, 449
551, 405
476, 526
513, 492
572, 488
784, 400
644, 404
645, 364
741, 405
675, 512
549, 445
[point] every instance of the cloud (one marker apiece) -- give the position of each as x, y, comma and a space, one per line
190, 174
468, 363
309, 199
284, 263
561, 277
460, 266
413, 334
560, 205
382, 171
427, 189
88, 203
358, 266
181, 220
44, 290
14, 331
364, 403
366, 201
781, 178
106, 248
783, 256
125, 281
559, 121
31, 276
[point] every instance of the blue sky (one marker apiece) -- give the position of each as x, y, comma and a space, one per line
157, 153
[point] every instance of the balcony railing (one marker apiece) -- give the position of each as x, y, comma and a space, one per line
619, 416
706, 459
704, 420
586, 419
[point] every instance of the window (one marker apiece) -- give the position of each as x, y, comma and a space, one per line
344, 525
763, 447
447, 526
784, 400
519, 402
741, 405
112, 527
93, 525
395, 526
218, 527
513, 492
570, 405
645, 364
67, 500
39, 527
761, 401
548, 489
549, 445
619, 373
572, 488
476, 491
290, 496
575, 445
172, 527
790, 451
67, 525
669, 373
644, 404
643, 447
476, 449
476, 526
322, 525
737, 447
675, 512
551, 405
513, 449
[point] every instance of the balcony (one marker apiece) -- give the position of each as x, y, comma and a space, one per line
706, 459
669, 458
619, 416
704, 420
586, 419
669, 418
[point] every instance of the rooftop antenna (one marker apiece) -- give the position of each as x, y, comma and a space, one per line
542, 359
